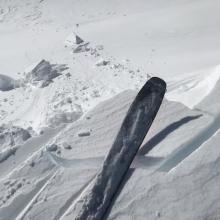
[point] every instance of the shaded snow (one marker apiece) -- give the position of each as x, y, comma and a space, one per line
6, 153
7, 83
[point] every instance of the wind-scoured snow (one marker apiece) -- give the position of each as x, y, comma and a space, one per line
69, 71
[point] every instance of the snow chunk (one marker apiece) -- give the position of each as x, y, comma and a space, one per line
52, 147
12, 135
78, 40
73, 39
63, 117
67, 146
81, 48
6, 153
44, 72
102, 62
84, 133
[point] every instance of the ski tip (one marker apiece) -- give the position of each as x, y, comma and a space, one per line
154, 85
156, 81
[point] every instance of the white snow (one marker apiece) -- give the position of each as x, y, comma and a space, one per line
195, 87
57, 91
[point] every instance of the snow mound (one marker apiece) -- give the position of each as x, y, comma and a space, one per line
64, 114
102, 62
84, 47
12, 135
195, 87
44, 73
7, 83
63, 117
52, 147
75, 42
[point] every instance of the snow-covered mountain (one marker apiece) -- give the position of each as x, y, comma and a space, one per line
69, 71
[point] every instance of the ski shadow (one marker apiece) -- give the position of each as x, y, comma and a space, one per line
145, 162
150, 161
164, 133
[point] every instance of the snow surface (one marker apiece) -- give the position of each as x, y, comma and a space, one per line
62, 102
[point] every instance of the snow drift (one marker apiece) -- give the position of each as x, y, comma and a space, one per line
195, 87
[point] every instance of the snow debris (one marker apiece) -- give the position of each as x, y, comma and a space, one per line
12, 135
67, 146
96, 50
117, 66
32, 163
81, 48
68, 75
44, 73
7, 182
84, 133
52, 147
73, 39
102, 62
6, 153
63, 113
95, 94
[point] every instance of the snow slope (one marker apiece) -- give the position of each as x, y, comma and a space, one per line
61, 190
72, 104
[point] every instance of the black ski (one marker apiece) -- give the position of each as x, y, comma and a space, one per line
131, 135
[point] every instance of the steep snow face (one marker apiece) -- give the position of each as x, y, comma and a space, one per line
211, 102
193, 88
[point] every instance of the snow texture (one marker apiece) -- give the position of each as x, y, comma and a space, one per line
52, 91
